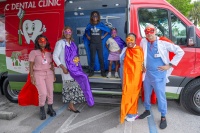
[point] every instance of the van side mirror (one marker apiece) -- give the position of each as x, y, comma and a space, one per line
191, 36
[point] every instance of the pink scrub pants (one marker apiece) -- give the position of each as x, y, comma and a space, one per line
44, 84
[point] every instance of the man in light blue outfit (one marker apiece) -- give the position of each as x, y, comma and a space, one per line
158, 67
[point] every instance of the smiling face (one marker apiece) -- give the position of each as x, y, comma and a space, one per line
42, 42
114, 33
130, 41
95, 18
150, 33
67, 33
31, 29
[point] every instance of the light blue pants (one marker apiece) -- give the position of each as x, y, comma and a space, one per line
158, 85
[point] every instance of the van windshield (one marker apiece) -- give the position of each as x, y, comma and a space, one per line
156, 17
167, 23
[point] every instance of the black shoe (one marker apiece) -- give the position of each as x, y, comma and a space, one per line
42, 113
163, 123
75, 111
91, 74
50, 111
146, 113
103, 74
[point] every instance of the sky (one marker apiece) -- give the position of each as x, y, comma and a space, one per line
194, 0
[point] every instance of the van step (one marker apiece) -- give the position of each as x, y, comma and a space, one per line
106, 91
103, 82
99, 79
107, 100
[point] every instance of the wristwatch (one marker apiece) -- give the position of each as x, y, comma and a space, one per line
170, 64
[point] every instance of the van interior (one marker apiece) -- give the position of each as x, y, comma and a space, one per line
77, 16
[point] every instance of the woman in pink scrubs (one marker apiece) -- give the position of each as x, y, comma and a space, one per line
42, 74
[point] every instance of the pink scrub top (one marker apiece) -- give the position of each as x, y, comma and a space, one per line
38, 57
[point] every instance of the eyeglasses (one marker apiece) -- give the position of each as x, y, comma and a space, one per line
130, 40
42, 40
68, 32
149, 30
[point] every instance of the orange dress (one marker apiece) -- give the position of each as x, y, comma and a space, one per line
132, 81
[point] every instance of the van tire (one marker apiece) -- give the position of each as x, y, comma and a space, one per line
190, 97
11, 95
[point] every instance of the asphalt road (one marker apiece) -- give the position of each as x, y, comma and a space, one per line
102, 118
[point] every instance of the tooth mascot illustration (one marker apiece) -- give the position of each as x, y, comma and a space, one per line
31, 29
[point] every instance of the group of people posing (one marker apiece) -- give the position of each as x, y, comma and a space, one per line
146, 65
102, 44
76, 87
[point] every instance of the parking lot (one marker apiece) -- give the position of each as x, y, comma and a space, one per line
102, 118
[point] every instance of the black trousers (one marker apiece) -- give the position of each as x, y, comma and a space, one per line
99, 49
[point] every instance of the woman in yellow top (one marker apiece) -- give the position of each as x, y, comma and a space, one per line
131, 60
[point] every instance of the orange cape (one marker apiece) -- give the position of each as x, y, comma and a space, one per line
29, 94
132, 81
153, 95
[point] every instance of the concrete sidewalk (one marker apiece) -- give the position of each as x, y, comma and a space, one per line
5, 115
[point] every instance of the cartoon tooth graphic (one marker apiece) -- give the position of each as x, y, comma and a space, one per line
31, 29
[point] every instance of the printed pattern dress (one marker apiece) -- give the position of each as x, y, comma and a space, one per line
72, 92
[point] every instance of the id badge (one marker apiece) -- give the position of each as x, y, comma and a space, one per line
156, 55
44, 61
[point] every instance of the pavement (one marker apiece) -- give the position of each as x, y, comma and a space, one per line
102, 118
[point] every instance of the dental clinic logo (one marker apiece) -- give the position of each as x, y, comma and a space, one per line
29, 29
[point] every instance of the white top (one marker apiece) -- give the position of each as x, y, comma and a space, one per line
59, 57
113, 46
164, 48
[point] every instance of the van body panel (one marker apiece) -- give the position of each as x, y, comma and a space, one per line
23, 26
2, 5
189, 59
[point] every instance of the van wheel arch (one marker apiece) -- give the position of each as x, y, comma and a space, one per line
190, 97
3, 76
11, 95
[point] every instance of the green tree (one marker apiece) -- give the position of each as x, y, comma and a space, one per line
194, 14
184, 6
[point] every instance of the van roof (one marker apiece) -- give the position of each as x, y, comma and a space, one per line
149, 2
94, 5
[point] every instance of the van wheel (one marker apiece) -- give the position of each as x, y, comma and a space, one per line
11, 95
190, 97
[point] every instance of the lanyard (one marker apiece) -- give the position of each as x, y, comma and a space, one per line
43, 54
152, 44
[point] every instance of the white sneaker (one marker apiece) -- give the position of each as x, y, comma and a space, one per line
116, 75
109, 75
132, 118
